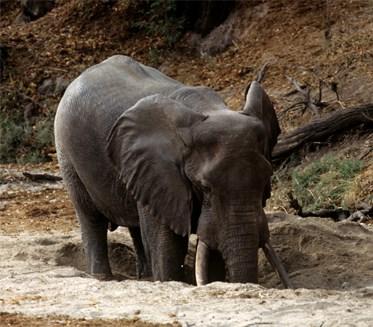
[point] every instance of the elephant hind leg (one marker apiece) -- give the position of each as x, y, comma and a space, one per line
93, 224
165, 249
143, 268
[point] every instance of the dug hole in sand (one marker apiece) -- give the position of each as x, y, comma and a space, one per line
331, 264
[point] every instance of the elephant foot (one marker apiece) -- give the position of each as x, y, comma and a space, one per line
276, 264
103, 276
144, 272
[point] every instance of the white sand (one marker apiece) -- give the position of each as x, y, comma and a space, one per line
31, 283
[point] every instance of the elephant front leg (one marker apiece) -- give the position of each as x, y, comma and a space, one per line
165, 249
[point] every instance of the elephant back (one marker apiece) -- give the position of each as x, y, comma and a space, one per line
199, 98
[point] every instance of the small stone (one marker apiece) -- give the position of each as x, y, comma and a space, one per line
61, 85
2, 206
46, 87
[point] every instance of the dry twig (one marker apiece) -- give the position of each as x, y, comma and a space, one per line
308, 101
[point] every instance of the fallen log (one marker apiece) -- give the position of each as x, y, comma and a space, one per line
363, 213
336, 214
321, 128
42, 177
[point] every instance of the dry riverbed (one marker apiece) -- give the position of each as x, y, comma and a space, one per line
43, 283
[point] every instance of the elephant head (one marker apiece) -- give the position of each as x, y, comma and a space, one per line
204, 173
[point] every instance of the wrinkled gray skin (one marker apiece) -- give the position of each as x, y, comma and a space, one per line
139, 149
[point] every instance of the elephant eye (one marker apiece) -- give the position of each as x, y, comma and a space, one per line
206, 201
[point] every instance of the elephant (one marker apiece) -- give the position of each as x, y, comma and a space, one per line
139, 149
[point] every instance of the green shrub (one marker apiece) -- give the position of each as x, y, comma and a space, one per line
159, 18
325, 182
21, 141
11, 136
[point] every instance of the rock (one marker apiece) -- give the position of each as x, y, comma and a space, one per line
193, 40
61, 85
219, 40
50, 86
2, 206
47, 87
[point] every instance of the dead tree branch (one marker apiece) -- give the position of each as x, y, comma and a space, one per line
320, 129
308, 101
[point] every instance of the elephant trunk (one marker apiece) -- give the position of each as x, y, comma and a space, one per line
240, 246
246, 231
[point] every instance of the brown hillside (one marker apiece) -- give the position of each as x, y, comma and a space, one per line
306, 40
309, 41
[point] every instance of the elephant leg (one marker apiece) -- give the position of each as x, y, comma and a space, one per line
143, 268
216, 267
93, 226
166, 249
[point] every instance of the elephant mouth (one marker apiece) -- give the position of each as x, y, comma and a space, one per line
205, 257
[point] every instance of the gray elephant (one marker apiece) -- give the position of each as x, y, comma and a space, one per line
139, 149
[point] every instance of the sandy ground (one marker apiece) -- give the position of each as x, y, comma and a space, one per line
42, 278
42, 273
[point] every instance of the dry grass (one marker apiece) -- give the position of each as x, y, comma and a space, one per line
324, 183
345, 179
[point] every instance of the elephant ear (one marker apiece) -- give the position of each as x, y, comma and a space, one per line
260, 106
147, 146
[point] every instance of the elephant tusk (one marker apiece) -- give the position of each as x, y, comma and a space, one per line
201, 267
276, 264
